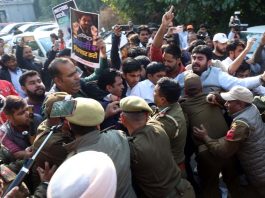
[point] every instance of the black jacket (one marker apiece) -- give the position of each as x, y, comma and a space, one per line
5, 75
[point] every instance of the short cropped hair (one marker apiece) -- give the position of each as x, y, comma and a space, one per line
136, 51
130, 65
14, 103
144, 28
7, 57
154, 67
107, 78
169, 89
144, 60
205, 50
25, 75
174, 50
232, 45
53, 67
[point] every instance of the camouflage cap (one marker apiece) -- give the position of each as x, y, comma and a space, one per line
52, 98
134, 104
88, 112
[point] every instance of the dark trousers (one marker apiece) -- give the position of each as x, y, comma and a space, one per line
209, 168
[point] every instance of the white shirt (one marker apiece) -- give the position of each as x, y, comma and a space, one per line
227, 62
128, 91
145, 90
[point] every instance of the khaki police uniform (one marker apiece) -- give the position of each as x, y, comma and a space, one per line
90, 113
155, 173
174, 124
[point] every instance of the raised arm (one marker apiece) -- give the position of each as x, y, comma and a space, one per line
233, 67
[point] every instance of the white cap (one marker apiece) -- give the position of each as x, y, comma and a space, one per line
86, 174
220, 37
238, 93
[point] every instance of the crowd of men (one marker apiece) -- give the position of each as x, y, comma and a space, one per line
167, 115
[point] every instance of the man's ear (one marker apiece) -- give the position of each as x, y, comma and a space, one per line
123, 75
209, 62
23, 88
148, 76
57, 81
108, 88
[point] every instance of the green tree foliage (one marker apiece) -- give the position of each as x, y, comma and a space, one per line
44, 7
215, 13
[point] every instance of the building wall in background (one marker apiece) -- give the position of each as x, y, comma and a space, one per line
16, 11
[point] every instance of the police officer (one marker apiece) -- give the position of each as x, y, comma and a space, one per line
155, 174
170, 114
84, 124
245, 138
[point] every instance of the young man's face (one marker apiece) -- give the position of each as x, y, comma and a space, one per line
171, 63
85, 22
199, 63
220, 47
234, 54
34, 86
11, 64
117, 87
132, 78
144, 36
20, 117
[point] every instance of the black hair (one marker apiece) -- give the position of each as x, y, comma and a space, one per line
144, 60
136, 51
25, 75
154, 67
13, 103
107, 78
174, 50
232, 45
53, 35
130, 65
144, 28
7, 57
203, 49
169, 89
195, 43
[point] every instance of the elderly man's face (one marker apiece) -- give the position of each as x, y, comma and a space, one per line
233, 106
27, 53
68, 79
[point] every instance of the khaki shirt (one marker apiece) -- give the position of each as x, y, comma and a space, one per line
174, 124
154, 171
229, 145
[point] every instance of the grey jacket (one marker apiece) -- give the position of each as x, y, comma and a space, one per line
114, 143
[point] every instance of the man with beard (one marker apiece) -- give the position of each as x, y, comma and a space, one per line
172, 53
12, 132
86, 27
25, 57
33, 86
220, 43
214, 79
